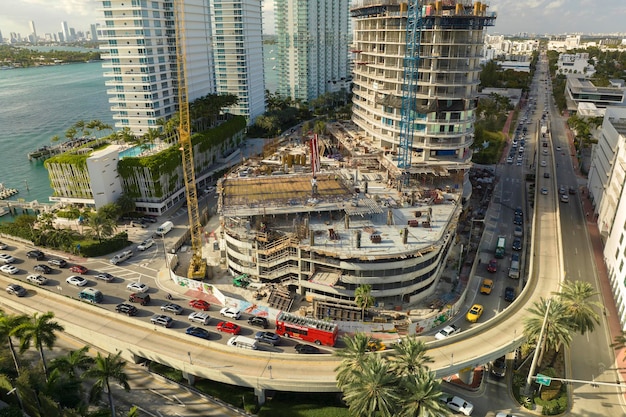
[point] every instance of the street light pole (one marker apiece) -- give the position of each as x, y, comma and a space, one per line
533, 364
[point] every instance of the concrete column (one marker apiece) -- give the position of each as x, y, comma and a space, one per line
191, 379
260, 395
467, 375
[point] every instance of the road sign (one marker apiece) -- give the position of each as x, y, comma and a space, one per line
543, 379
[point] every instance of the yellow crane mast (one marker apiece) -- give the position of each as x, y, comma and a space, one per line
197, 266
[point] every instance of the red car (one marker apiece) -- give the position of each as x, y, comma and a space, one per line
78, 269
492, 266
227, 327
200, 305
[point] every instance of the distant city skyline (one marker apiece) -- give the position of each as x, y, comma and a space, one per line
514, 16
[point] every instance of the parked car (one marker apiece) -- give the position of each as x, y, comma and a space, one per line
162, 320
9, 269
458, 404
137, 287
518, 231
199, 317
228, 327
36, 254
137, 223
145, 244
305, 349
474, 313
44, 269
230, 313
121, 257
5, 258
16, 289
447, 331
78, 269
498, 367
267, 337
128, 309
259, 322
518, 220
509, 294
200, 305
3, 246
61, 263
77, 281
37, 279
198, 332
172, 308
517, 244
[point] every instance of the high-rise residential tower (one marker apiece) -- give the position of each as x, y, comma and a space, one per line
65, 29
33, 30
238, 49
138, 45
449, 39
312, 50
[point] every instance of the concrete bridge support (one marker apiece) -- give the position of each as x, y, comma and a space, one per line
260, 395
191, 379
467, 375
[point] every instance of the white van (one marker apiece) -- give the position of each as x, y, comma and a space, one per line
165, 228
242, 342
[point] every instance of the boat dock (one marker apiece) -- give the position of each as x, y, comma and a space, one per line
7, 192
46, 151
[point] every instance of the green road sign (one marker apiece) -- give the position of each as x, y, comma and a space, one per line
543, 379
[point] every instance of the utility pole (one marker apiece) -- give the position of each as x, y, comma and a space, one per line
533, 365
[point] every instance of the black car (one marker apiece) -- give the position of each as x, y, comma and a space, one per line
198, 332
44, 269
498, 367
519, 212
509, 294
128, 309
61, 263
37, 254
149, 219
306, 349
267, 337
15, 289
259, 322
518, 220
517, 244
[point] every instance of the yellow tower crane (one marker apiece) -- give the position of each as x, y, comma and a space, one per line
197, 267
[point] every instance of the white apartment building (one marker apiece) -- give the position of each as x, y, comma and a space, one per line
607, 186
139, 49
564, 43
238, 42
312, 49
575, 64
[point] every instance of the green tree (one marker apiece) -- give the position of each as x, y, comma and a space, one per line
126, 203
353, 355
410, 356
558, 325
8, 325
73, 362
576, 297
363, 298
110, 211
40, 330
100, 225
103, 371
420, 397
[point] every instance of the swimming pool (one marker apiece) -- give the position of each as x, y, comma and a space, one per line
136, 150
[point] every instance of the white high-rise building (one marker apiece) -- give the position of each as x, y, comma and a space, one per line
33, 30
312, 50
238, 48
139, 49
65, 30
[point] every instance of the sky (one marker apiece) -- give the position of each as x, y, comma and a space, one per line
514, 16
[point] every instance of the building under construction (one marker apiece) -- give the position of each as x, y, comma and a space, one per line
373, 202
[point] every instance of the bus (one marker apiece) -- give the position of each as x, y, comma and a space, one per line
500, 247
311, 330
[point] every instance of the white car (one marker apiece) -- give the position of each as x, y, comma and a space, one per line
9, 269
230, 313
6, 258
77, 281
145, 244
36, 279
458, 404
200, 317
544, 163
121, 257
3, 246
503, 414
137, 287
447, 331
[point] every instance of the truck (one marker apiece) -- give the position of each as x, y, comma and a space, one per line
499, 254
514, 269
544, 130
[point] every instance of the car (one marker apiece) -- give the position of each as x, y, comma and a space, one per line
44, 269
304, 349
519, 162
447, 331
137, 223
149, 219
37, 279
121, 257
162, 320
544, 151
520, 158
544, 191
105, 276
198, 332
3, 246
518, 220
544, 164
137, 287
200, 305
61, 263
16, 289
492, 266
562, 190
503, 414
474, 313
546, 175
259, 322
228, 327
564, 198
172, 308
518, 231
36, 254
267, 337
486, 286
509, 294
509, 160
209, 189
230, 313
199, 317
572, 190
139, 297
5, 258
9, 269
458, 404
145, 244
558, 148
78, 269
515, 257
77, 281
498, 367
128, 309
517, 243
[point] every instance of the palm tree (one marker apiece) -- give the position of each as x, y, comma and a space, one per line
103, 370
74, 361
126, 203
558, 328
410, 356
353, 355
8, 325
374, 390
575, 296
421, 396
41, 331
100, 225
363, 298
620, 342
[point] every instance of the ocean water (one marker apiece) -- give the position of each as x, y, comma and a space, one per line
38, 103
